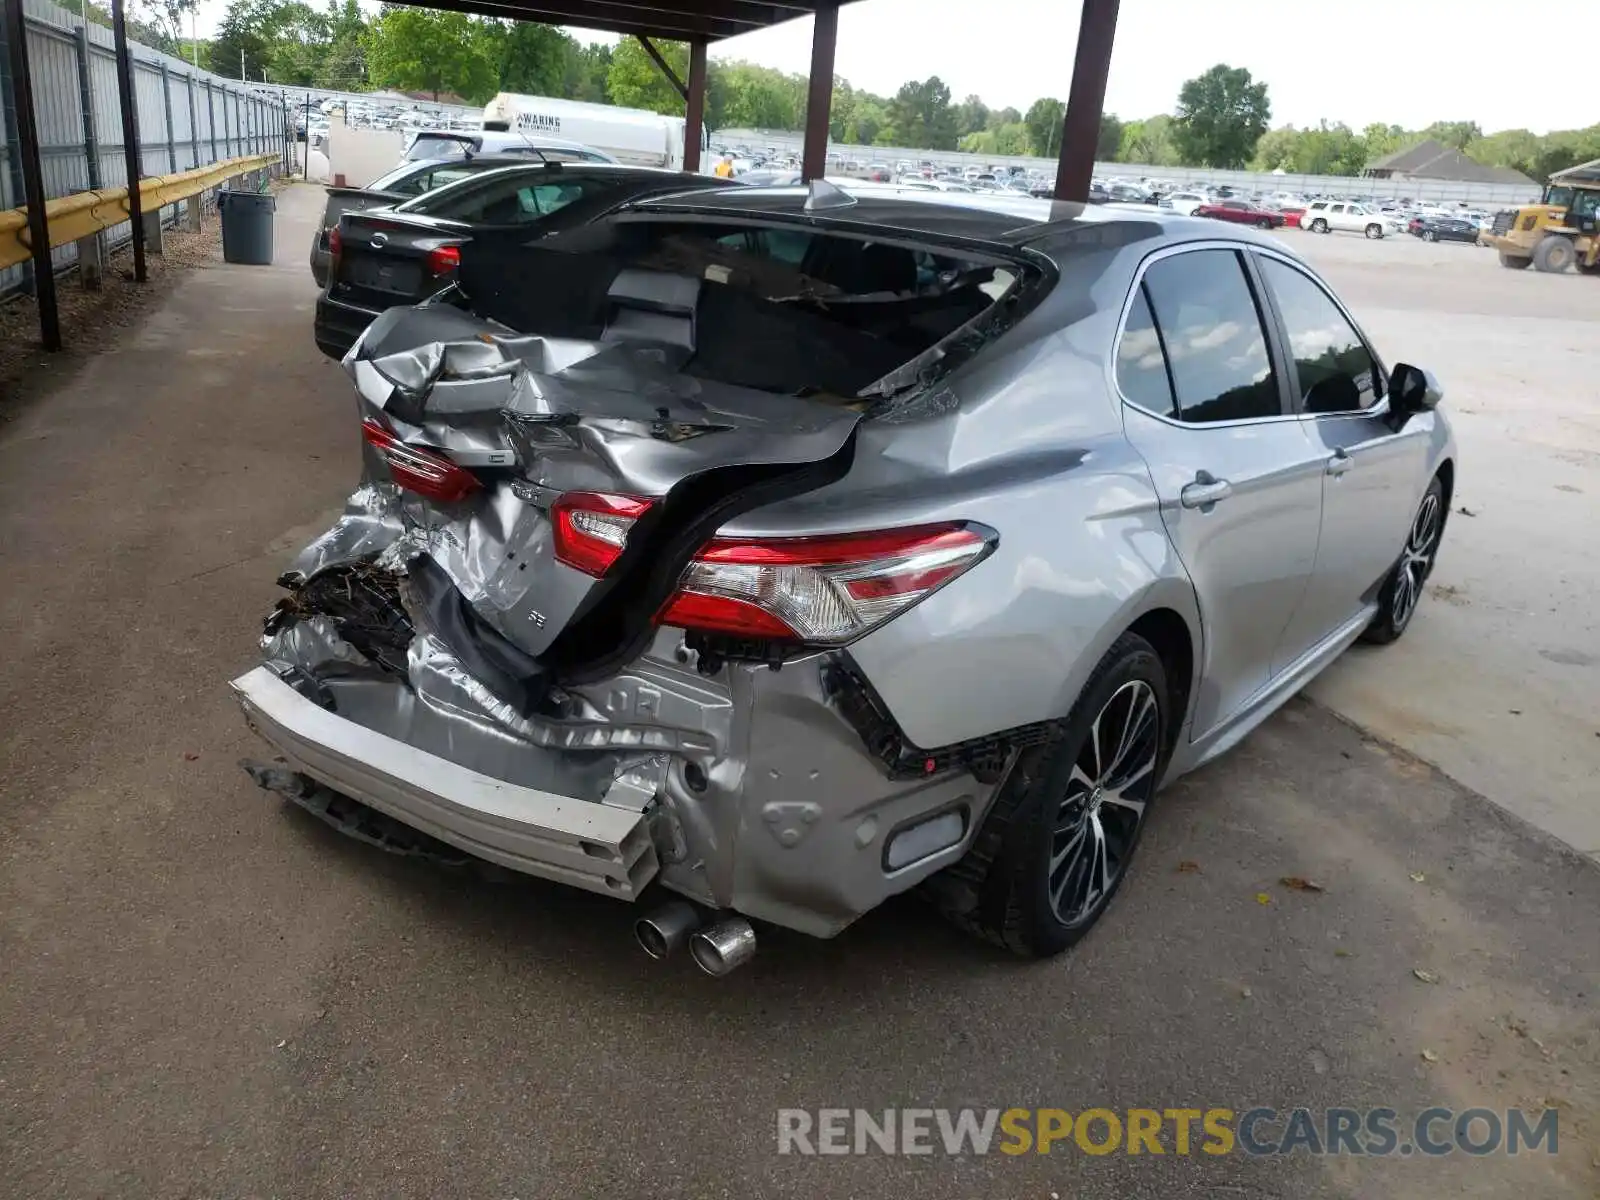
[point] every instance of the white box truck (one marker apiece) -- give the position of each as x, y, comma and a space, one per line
629, 135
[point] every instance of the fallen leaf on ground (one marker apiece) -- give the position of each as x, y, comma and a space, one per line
1417, 877
189, 756
1425, 976
1429, 1056
1297, 884
1341, 952
1188, 867
1263, 898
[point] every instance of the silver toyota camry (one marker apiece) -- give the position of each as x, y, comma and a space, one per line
757, 555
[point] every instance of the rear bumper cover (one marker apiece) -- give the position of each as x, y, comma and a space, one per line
337, 326
594, 846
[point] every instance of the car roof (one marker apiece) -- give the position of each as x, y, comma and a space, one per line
1009, 219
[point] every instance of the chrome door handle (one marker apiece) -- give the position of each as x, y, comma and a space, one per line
1340, 462
1205, 491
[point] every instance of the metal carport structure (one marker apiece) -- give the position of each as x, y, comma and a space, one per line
697, 22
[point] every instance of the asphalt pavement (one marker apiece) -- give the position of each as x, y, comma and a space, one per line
205, 992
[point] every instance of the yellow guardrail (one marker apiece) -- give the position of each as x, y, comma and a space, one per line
82, 213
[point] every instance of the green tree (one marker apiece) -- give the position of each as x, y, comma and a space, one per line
1110, 139
1043, 122
1003, 116
1149, 142
921, 116
586, 74
1275, 149
972, 116
1381, 139
1221, 115
534, 58
635, 81
1455, 134
420, 49
755, 97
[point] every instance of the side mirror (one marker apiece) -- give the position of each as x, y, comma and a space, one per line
1412, 390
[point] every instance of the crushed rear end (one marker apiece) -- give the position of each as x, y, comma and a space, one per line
529, 635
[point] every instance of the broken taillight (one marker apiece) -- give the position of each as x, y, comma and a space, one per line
591, 528
820, 590
422, 471
442, 260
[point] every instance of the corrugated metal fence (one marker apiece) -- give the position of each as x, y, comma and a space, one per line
186, 117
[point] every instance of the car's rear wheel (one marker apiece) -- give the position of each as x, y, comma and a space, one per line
1429, 235
1319, 226
1401, 591
1374, 231
1056, 844
1265, 222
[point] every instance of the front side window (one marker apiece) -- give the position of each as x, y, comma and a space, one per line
1337, 372
1206, 317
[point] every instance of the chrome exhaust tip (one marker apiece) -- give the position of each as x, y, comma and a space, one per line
723, 947
667, 929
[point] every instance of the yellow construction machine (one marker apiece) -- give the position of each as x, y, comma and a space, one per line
1561, 231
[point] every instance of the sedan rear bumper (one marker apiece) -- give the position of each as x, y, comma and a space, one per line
337, 326
595, 846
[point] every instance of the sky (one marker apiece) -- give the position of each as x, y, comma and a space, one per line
1357, 61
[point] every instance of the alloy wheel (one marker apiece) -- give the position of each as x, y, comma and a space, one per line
1416, 560
1099, 818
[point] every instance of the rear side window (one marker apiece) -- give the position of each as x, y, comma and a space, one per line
516, 197
1209, 326
1141, 364
1336, 370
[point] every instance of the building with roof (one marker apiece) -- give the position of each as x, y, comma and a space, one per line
1433, 160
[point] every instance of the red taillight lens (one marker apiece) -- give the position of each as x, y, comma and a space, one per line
442, 260
427, 474
820, 590
591, 528
335, 242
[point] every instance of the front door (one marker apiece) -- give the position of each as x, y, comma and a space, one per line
1372, 476
1240, 485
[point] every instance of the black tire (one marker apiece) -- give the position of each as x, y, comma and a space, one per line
1374, 231
1555, 254
1429, 235
1513, 262
1402, 588
1002, 890
1265, 223
1319, 226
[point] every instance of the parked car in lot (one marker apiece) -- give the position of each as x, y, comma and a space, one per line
1444, 229
1184, 203
405, 182
676, 528
1325, 216
1240, 212
398, 256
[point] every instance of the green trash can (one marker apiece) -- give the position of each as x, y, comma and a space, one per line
246, 226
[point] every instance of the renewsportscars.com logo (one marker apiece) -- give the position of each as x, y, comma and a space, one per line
1378, 1132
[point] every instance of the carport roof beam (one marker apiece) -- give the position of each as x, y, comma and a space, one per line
675, 20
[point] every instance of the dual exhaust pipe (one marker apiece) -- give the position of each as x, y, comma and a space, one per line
717, 949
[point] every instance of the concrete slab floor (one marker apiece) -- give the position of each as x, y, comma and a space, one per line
206, 992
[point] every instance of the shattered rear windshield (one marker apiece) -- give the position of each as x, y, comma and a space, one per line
778, 307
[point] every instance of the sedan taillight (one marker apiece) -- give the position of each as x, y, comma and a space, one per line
424, 472
591, 528
824, 591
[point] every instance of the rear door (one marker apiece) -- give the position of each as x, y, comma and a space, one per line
1372, 477
1240, 485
